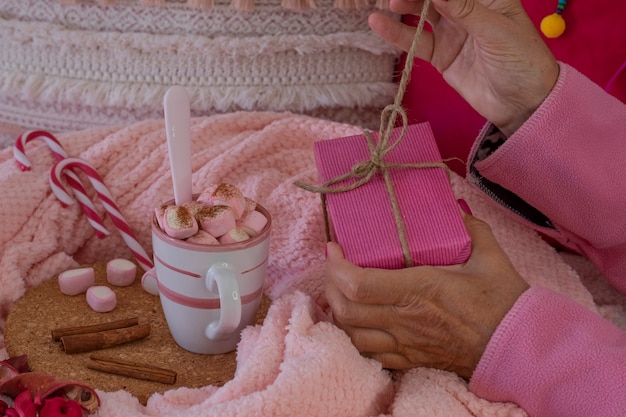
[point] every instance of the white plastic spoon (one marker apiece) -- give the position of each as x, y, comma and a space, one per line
178, 130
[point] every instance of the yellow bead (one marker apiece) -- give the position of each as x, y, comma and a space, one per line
553, 25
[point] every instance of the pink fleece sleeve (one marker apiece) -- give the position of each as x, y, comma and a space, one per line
568, 162
555, 358
550, 355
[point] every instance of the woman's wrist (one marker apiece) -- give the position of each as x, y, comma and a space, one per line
507, 129
532, 102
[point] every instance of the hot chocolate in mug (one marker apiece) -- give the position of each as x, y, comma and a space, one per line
209, 293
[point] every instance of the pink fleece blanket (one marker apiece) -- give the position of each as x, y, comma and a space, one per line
297, 363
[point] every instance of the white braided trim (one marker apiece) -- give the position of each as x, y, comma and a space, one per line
296, 72
208, 4
205, 99
16, 116
56, 78
268, 17
42, 36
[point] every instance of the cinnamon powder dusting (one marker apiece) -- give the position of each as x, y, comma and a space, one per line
211, 212
179, 217
226, 190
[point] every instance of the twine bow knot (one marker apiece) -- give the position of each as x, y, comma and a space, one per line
376, 163
365, 170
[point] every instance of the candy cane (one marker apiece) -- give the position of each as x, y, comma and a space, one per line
72, 179
105, 196
20, 143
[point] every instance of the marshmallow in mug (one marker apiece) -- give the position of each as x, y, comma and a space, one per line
220, 215
226, 195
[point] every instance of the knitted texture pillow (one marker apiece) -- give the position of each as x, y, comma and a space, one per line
94, 63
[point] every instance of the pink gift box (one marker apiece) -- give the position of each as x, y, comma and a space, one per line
362, 220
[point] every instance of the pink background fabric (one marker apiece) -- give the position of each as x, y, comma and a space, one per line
593, 43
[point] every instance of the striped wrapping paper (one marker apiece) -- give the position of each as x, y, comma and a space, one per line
362, 220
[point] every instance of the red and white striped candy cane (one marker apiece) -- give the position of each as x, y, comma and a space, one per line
19, 152
73, 181
64, 166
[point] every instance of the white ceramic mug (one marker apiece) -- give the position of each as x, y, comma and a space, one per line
209, 293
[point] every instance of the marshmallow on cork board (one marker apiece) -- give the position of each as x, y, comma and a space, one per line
120, 273
76, 281
101, 298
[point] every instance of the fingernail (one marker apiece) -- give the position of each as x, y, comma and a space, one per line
464, 206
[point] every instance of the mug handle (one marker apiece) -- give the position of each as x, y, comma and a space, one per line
150, 282
222, 276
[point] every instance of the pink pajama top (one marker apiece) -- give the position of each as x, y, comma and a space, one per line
563, 172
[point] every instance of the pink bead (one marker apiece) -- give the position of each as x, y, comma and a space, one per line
253, 222
101, 298
203, 238
234, 235
179, 223
76, 281
121, 272
216, 220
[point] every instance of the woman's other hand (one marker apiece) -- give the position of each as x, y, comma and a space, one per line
489, 51
441, 317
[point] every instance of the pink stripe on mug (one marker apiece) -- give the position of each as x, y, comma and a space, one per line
204, 303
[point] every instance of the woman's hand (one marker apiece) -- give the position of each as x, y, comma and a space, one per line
441, 317
487, 50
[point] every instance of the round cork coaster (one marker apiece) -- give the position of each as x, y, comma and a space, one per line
30, 323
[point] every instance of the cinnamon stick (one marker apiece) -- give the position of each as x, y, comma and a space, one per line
87, 342
57, 334
131, 369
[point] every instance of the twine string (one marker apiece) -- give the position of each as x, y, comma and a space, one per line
364, 171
